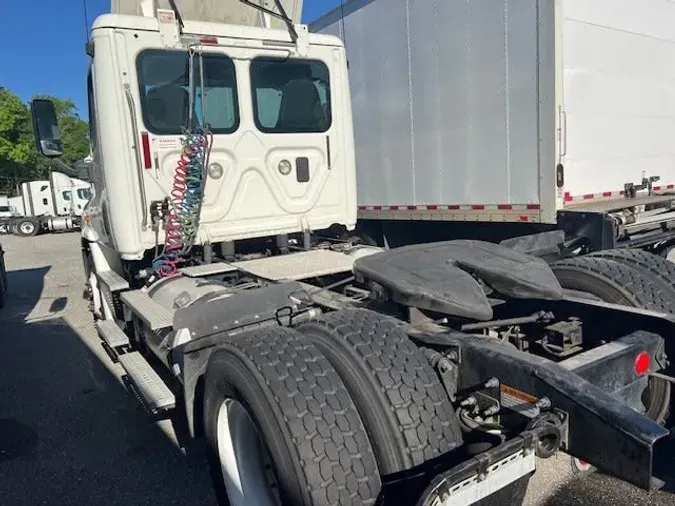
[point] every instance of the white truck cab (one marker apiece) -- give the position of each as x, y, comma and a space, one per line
281, 157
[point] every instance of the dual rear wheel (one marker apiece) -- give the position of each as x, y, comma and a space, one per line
318, 415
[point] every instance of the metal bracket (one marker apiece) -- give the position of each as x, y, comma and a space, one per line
302, 42
449, 373
448, 370
169, 29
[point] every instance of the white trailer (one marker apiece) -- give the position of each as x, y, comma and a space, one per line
511, 111
316, 369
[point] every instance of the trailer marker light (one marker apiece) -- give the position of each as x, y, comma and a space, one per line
147, 159
642, 363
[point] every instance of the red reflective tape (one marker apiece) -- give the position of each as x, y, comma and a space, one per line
533, 207
504, 207
209, 40
588, 196
412, 208
606, 194
622, 192
432, 208
568, 197
670, 186
377, 208
523, 218
147, 159
454, 207
477, 207
393, 208
362, 208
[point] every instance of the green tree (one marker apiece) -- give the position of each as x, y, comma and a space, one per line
18, 155
19, 159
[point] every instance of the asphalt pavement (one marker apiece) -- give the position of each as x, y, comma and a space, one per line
71, 434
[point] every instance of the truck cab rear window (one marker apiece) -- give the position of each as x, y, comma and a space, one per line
165, 98
290, 95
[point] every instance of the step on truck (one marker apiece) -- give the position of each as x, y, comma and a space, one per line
497, 120
320, 371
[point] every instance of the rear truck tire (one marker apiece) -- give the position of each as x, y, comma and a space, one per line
27, 227
628, 285
281, 428
643, 260
615, 282
406, 411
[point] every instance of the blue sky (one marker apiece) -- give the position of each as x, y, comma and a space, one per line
43, 45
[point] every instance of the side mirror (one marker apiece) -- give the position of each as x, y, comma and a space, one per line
46, 128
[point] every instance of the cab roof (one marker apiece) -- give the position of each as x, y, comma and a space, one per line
202, 28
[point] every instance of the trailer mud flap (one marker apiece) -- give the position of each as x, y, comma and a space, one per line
603, 430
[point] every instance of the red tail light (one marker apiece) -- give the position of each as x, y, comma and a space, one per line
642, 363
147, 159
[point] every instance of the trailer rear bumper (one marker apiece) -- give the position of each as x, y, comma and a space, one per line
595, 392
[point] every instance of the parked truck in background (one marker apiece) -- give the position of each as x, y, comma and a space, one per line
6, 210
52, 205
496, 120
318, 370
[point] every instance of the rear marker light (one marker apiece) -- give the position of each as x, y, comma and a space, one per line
642, 363
147, 159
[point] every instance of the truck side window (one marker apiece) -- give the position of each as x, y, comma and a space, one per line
290, 95
83, 193
66, 195
165, 96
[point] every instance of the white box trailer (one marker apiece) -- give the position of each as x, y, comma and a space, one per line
508, 110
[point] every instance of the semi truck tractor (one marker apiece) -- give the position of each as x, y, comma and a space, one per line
319, 370
496, 120
53, 205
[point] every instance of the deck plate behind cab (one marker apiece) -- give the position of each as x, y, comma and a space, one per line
296, 266
438, 277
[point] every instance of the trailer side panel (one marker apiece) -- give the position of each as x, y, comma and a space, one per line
446, 100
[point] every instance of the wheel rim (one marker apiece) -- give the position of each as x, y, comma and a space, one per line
247, 471
656, 399
27, 227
